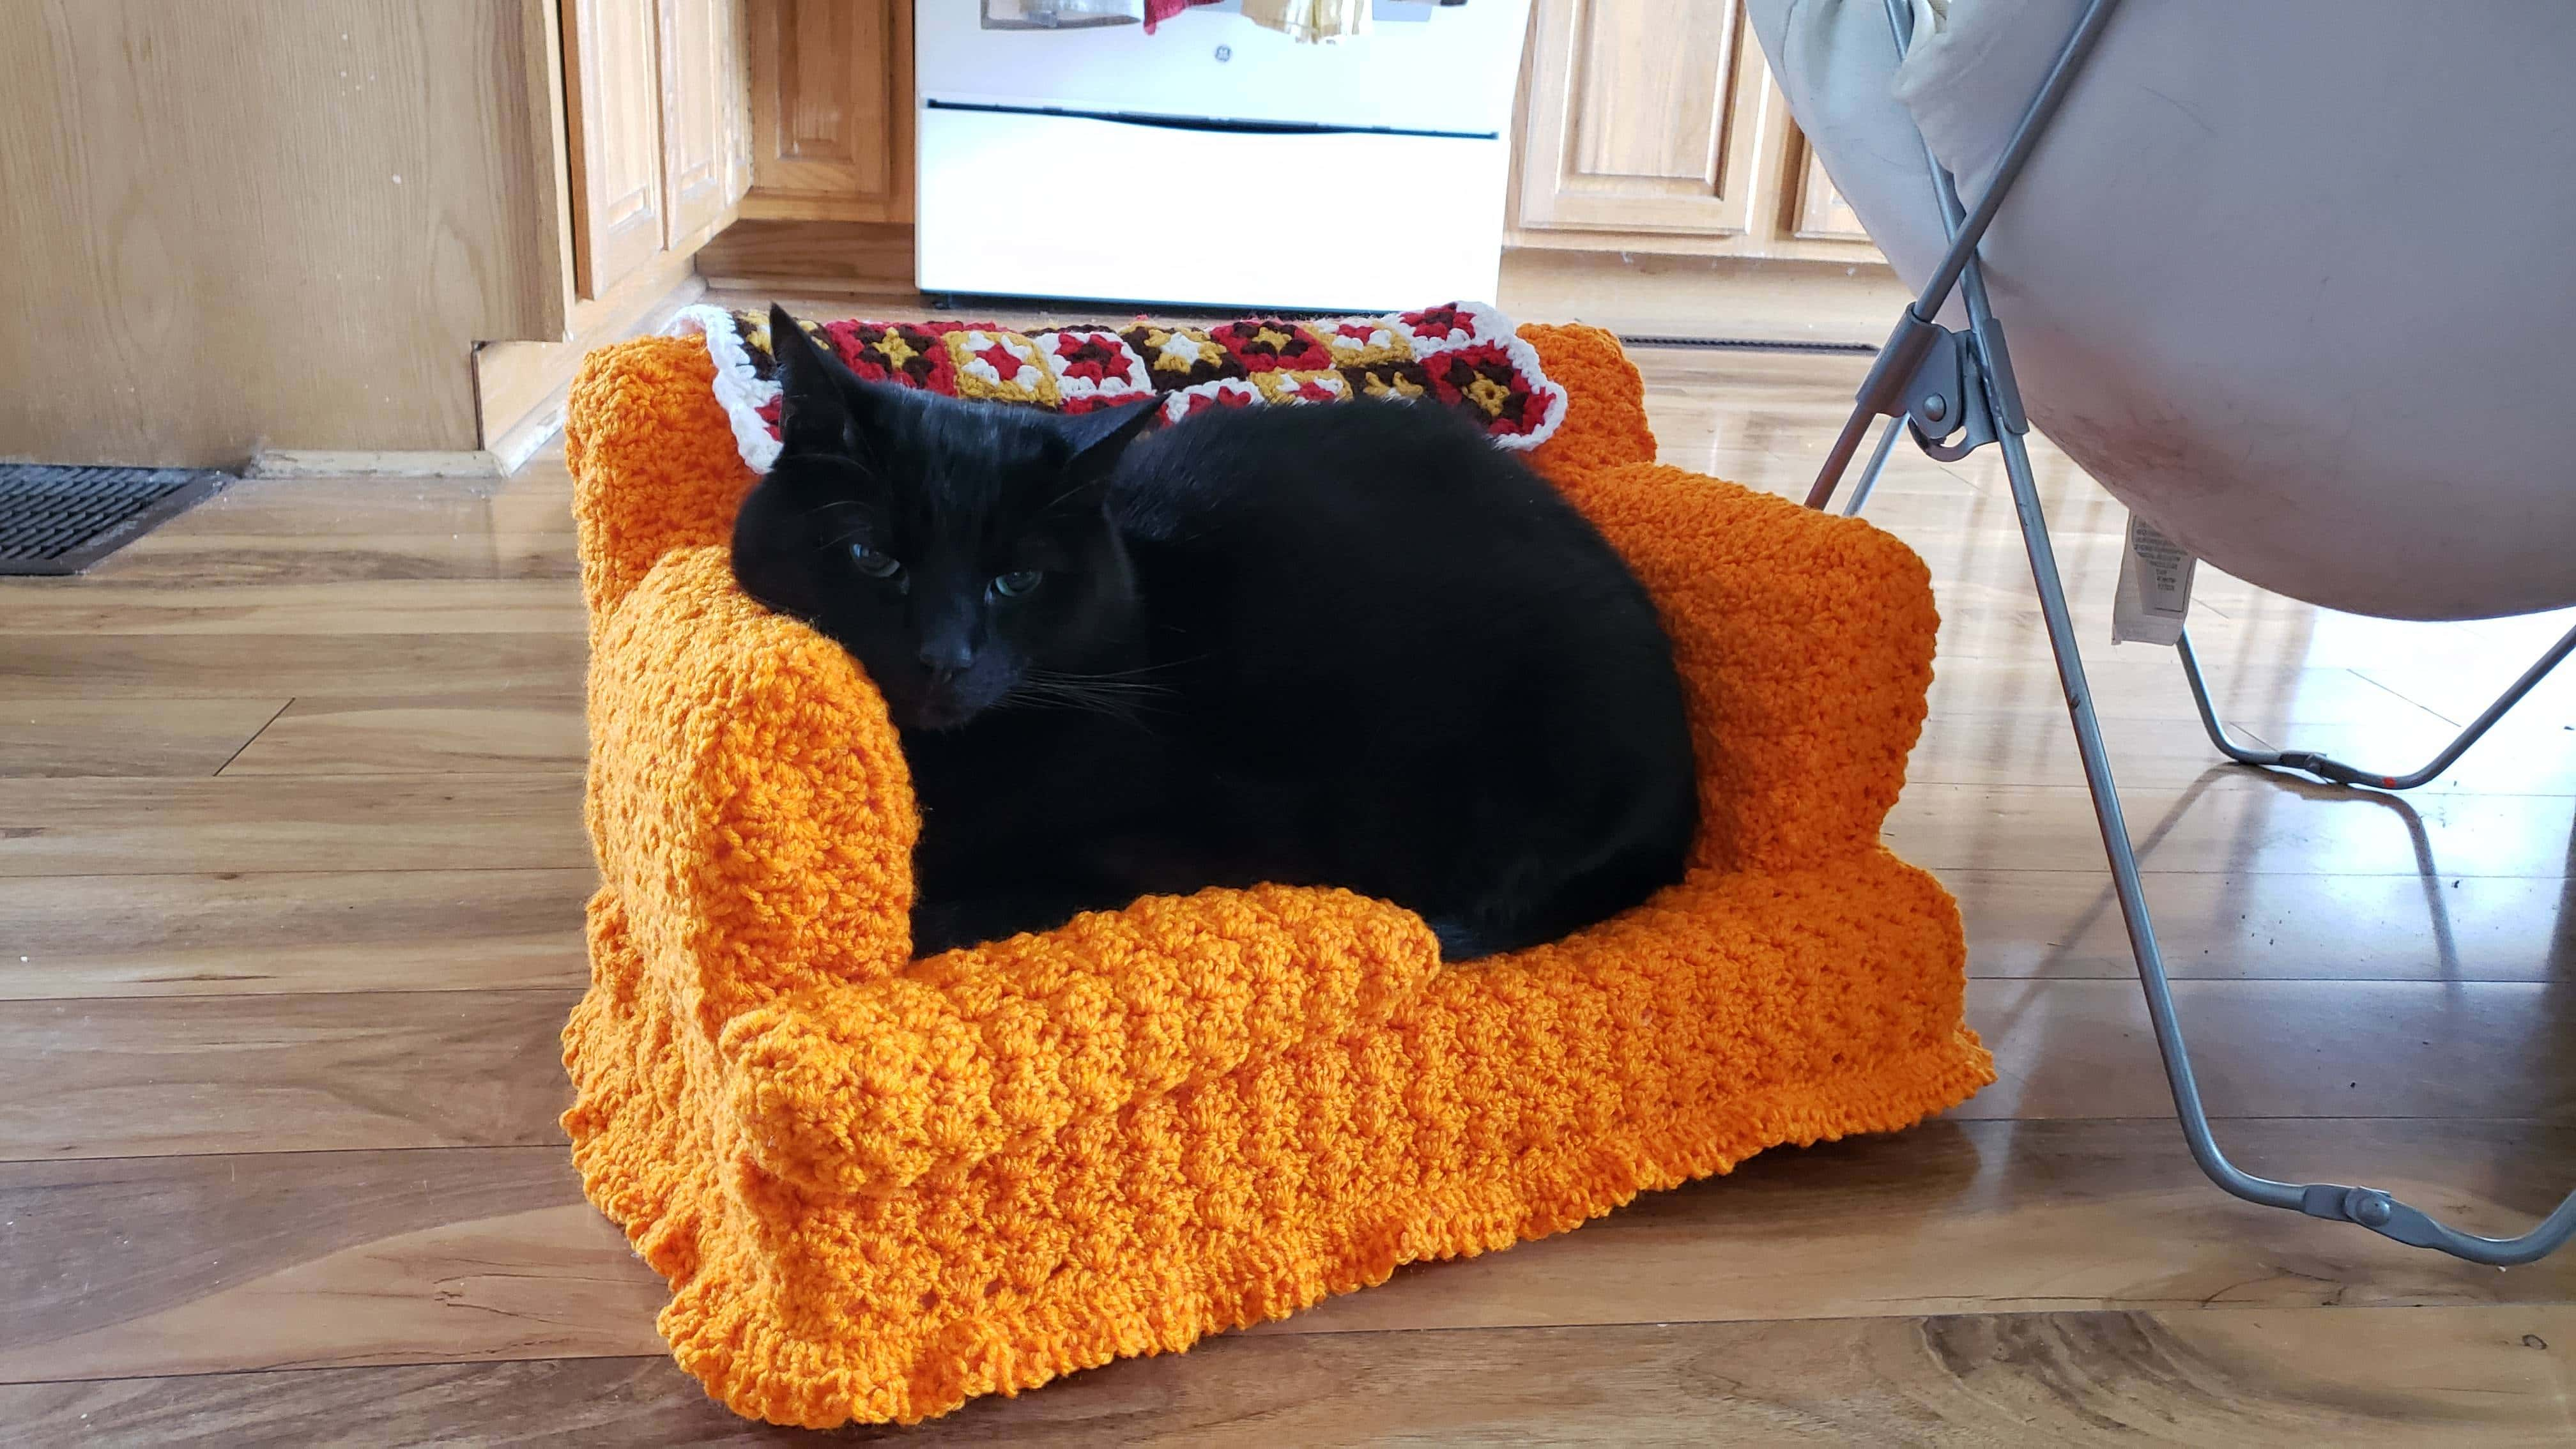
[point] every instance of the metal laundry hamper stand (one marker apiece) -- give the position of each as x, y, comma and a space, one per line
1955, 392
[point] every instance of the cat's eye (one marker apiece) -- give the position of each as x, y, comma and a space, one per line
1017, 582
872, 563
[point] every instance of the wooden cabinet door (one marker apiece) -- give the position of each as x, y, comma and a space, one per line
613, 112
1634, 119
705, 151
831, 110
1822, 213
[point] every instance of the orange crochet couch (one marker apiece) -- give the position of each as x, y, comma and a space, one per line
880, 1186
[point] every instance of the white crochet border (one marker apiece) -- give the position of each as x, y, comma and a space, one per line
740, 391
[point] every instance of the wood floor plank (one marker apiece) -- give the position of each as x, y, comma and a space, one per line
2481, 1375
536, 1283
219, 1263
373, 606
464, 734
2002, 620
277, 666
2027, 747
237, 934
105, 1077
2022, 747
250, 824
2286, 827
252, 1261
308, 531
2302, 1049
2143, 685
2310, 926
336, 507
72, 737
101, 1077
1969, 1216
632, 1402
229, 559
2460, 687
2464, 1376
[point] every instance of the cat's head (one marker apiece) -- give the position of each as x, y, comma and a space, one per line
952, 547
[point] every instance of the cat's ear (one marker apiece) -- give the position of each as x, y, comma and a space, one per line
1096, 438
813, 405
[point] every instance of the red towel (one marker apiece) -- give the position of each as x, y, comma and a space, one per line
1158, 11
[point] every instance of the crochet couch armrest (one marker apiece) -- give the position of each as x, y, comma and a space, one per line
1605, 412
653, 462
1805, 648
877, 1085
748, 796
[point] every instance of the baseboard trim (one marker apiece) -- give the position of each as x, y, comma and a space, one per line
374, 463
523, 438
810, 258
1736, 299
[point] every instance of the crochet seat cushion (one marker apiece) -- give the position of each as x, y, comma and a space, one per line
879, 1186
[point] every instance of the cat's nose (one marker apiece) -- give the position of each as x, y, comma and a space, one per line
946, 656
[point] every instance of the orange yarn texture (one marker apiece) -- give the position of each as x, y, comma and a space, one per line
880, 1186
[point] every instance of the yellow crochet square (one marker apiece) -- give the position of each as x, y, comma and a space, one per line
1300, 387
880, 1186
1001, 366
1365, 342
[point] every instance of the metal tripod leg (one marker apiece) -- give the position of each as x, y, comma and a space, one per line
2326, 767
1999, 397
1877, 465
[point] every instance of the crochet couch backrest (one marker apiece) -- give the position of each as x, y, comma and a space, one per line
1769, 605
660, 427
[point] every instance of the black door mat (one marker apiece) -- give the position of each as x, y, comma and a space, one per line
56, 520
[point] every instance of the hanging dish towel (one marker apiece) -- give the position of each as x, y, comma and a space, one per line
1158, 11
1310, 21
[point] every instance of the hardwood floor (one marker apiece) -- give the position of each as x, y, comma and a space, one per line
291, 873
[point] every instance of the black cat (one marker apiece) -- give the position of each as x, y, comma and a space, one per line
1351, 644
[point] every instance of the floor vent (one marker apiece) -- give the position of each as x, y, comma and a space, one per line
61, 520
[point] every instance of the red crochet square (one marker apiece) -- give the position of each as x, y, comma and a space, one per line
1270, 345
909, 354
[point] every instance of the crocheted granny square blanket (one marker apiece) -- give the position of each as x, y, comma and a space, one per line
1463, 354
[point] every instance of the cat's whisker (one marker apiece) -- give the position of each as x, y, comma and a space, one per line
1142, 669
1115, 698
1116, 680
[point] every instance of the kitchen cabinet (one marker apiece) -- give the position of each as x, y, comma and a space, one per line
656, 150
613, 114
653, 127
706, 121
471, 194
1654, 126
831, 110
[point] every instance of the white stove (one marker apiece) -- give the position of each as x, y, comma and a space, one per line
1215, 163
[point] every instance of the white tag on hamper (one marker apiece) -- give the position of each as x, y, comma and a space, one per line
2155, 588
